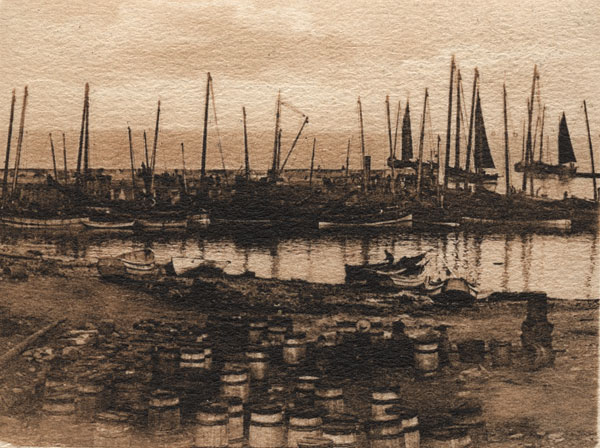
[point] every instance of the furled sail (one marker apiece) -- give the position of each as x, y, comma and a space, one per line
407, 144
482, 153
565, 148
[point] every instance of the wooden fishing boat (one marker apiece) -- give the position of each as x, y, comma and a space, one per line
547, 224
371, 221
453, 291
368, 272
161, 224
39, 223
402, 279
187, 266
109, 225
138, 262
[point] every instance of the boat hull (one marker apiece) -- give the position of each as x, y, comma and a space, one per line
403, 221
548, 224
35, 223
100, 225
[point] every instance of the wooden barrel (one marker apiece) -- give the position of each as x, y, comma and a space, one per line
303, 423
343, 434
164, 413
235, 425
410, 425
381, 400
60, 406
112, 430
471, 351
294, 349
385, 434
211, 427
329, 397
426, 356
315, 442
235, 383
192, 357
258, 363
256, 331
307, 383
89, 400
266, 427
276, 334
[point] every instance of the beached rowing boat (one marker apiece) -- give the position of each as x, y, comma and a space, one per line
405, 220
138, 262
38, 223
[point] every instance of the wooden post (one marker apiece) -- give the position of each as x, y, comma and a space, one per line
154, 144
185, 189
587, 122
348, 160
458, 113
312, 162
362, 145
471, 123
8, 141
448, 128
53, 158
19, 142
131, 158
246, 155
66, 174
421, 137
205, 133
506, 157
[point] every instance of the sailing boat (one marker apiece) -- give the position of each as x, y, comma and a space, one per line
482, 154
407, 145
566, 157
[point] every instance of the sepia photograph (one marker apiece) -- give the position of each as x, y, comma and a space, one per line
335, 224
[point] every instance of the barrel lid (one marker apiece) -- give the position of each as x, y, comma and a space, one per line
308, 378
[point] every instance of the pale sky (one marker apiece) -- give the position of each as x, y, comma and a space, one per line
321, 54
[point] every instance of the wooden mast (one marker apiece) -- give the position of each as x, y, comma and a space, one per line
506, 158
86, 145
396, 130
448, 128
312, 162
471, 123
587, 122
53, 158
277, 135
154, 144
542, 134
421, 137
185, 188
8, 141
389, 125
246, 155
65, 157
439, 168
362, 145
205, 129
132, 162
528, 148
348, 160
20, 142
458, 113
146, 151
82, 134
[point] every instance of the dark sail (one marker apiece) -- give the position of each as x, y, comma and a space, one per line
565, 148
407, 145
482, 153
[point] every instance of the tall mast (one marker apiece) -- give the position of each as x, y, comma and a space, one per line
275, 142
185, 189
154, 144
53, 158
448, 128
421, 137
542, 134
132, 163
362, 145
82, 132
86, 146
278, 152
246, 156
471, 122
439, 167
20, 141
312, 162
389, 125
528, 149
146, 151
348, 159
7, 158
396, 130
205, 134
506, 161
65, 157
458, 113
587, 122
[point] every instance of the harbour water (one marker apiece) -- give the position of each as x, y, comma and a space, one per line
566, 266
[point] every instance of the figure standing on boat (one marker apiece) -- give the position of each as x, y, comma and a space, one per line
389, 257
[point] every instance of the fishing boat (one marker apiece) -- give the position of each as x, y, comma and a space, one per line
453, 291
109, 225
367, 272
138, 262
548, 224
406, 160
406, 279
371, 221
188, 266
161, 223
566, 157
38, 223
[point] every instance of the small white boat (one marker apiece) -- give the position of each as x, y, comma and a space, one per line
37, 223
405, 281
138, 261
186, 265
161, 224
403, 221
557, 224
109, 225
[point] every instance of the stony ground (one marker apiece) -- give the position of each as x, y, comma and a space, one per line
555, 406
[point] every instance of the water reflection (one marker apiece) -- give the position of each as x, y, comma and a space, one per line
565, 266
